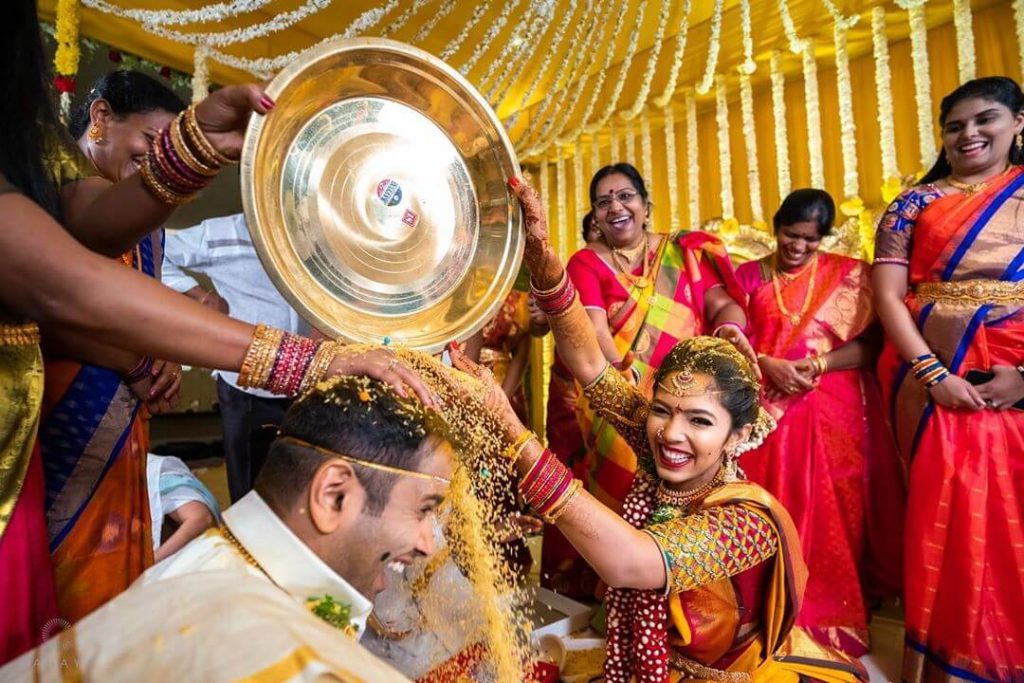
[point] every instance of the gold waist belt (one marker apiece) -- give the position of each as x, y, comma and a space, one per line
692, 669
19, 335
972, 293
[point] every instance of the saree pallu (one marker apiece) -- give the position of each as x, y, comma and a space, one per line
965, 542
831, 461
94, 438
648, 324
26, 589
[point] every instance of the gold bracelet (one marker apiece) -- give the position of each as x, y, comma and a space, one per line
199, 138
563, 503
516, 449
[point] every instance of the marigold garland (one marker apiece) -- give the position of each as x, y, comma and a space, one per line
692, 160
67, 54
724, 153
704, 86
663, 100
883, 93
964, 39
922, 79
671, 164
750, 142
632, 111
779, 117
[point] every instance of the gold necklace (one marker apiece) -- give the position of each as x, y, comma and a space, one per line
643, 280
971, 188
683, 499
795, 318
246, 555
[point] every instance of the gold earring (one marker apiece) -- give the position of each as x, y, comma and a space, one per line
1020, 140
95, 133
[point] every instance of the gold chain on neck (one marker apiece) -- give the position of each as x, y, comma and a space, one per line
628, 257
795, 318
972, 188
683, 499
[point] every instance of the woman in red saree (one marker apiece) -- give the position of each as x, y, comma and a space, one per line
643, 292
948, 287
810, 318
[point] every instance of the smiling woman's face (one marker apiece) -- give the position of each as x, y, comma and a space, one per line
688, 434
621, 222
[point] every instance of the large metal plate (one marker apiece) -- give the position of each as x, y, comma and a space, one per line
375, 194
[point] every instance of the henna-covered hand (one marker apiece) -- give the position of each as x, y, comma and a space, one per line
545, 268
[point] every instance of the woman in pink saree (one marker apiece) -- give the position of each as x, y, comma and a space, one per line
831, 461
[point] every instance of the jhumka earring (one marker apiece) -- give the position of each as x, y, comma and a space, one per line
95, 133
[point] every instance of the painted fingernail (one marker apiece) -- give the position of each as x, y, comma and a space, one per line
513, 181
266, 102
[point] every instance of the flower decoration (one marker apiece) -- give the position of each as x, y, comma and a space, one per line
724, 154
922, 79
692, 159
704, 86
750, 143
779, 117
664, 99
652, 63
673, 172
337, 614
65, 59
813, 116
883, 93
964, 39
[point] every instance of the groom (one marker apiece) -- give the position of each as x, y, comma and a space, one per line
282, 591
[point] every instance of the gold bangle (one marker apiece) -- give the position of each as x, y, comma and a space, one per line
516, 449
189, 159
561, 283
563, 504
318, 367
158, 189
199, 138
260, 356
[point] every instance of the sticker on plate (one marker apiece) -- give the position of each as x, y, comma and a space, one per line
389, 192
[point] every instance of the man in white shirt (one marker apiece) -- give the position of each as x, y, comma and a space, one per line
347, 496
222, 249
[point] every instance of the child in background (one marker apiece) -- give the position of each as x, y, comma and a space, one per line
175, 493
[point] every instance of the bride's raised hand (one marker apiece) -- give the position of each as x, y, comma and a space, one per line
495, 400
545, 267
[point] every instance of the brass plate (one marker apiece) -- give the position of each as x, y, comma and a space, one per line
375, 194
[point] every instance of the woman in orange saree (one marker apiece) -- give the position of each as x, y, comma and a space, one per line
94, 434
948, 286
643, 293
810, 315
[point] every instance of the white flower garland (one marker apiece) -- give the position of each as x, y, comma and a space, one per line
724, 155
883, 93
663, 100
847, 124
531, 138
796, 43
922, 79
616, 148
1018, 20
563, 228
492, 32
964, 39
403, 18
209, 13
520, 55
455, 43
779, 116
749, 65
750, 142
435, 18
652, 63
645, 147
623, 74
631, 144
595, 91
277, 23
595, 157
814, 149
577, 172
672, 167
692, 160
713, 49
200, 74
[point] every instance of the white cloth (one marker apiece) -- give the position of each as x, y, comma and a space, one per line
222, 249
207, 614
164, 499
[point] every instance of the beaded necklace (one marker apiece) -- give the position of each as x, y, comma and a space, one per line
672, 503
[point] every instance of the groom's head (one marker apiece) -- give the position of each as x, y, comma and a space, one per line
357, 473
